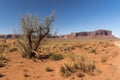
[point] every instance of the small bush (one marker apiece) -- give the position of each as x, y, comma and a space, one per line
56, 56
80, 46
104, 59
106, 45
1, 75
44, 56
3, 57
4, 45
48, 69
3, 60
80, 75
78, 63
92, 51
13, 49
65, 71
2, 64
26, 75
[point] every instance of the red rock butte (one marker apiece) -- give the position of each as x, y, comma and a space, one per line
90, 34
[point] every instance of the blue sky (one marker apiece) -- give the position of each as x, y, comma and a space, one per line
71, 15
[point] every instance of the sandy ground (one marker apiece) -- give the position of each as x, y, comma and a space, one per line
116, 63
19, 68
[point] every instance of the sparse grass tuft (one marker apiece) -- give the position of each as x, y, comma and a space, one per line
56, 56
3, 60
65, 71
3, 57
92, 51
13, 49
78, 63
106, 44
104, 59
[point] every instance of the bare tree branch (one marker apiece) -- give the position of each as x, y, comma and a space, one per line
32, 32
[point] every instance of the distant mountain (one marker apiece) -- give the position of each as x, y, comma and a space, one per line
91, 34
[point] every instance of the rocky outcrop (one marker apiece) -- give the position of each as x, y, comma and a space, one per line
92, 34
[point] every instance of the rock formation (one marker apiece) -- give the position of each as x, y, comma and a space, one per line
92, 34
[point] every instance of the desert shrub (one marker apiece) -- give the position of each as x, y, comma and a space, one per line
83, 64
3, 47
80, 74
48, 69
3, 56
65, 70
92, 51
31, 34
106, 44
78, 63
56, 56
80, 46
3, 59
44, 56
2, 64
12, 49
26, 75
104, 59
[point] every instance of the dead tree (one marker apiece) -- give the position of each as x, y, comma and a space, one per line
32, 32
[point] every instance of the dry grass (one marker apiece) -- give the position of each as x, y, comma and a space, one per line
77, 63
3, 60
48, 69
78, 57
26, 75
56, 56
104, 59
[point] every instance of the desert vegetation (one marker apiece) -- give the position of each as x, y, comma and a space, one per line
32, 33
36, 57
65, 59
79, 64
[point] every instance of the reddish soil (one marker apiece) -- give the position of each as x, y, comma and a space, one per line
19, 68
116, 63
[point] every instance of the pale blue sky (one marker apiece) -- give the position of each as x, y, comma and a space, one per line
71, 15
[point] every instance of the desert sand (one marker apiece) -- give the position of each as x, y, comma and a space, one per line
19, 68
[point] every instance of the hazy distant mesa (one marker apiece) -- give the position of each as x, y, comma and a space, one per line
88, 34
92, 34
